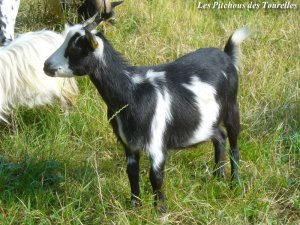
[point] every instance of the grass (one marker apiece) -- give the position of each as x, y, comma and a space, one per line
71, 170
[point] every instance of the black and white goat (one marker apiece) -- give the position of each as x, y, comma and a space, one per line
22, 79
174, 105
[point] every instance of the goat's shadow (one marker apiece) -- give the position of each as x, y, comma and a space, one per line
31, 174
31, 179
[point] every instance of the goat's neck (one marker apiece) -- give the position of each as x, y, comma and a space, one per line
113, 84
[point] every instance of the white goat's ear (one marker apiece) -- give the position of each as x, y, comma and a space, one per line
91, 39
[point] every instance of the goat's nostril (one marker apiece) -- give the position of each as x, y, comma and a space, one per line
48, 70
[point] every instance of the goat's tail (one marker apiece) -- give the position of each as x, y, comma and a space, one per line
233, 43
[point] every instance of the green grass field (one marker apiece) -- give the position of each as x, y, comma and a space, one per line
71, 170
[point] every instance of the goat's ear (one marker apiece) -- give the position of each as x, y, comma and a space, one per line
105, 9
114, 4
91, 39
106, 6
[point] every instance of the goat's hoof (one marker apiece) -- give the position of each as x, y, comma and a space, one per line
236, 178
219, 170
160, 207
219, 174
236, 184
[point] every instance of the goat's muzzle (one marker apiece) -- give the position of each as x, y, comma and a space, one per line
48, 70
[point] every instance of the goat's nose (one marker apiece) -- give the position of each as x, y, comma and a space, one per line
48, 69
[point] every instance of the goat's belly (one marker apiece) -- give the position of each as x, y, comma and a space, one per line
200, 135
205, 128
203, 132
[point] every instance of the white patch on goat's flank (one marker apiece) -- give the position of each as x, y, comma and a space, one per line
161, 117
151, 76
208, 109
224, 74
121, 131
137, 78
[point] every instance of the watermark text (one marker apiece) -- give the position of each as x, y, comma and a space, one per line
249, 5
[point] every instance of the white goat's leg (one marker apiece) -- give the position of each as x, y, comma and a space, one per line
8, 13
13, 126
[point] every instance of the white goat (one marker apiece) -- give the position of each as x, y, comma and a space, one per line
22, 79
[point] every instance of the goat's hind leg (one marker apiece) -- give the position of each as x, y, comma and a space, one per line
232, 124
133, 170
219, 142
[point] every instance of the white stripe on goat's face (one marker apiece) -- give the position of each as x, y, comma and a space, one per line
57, 63
71, 59
208, 108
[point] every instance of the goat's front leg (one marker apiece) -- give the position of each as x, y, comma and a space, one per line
133, 170
156, 179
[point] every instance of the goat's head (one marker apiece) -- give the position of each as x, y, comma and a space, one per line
103, 7
106, 8
79, 54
